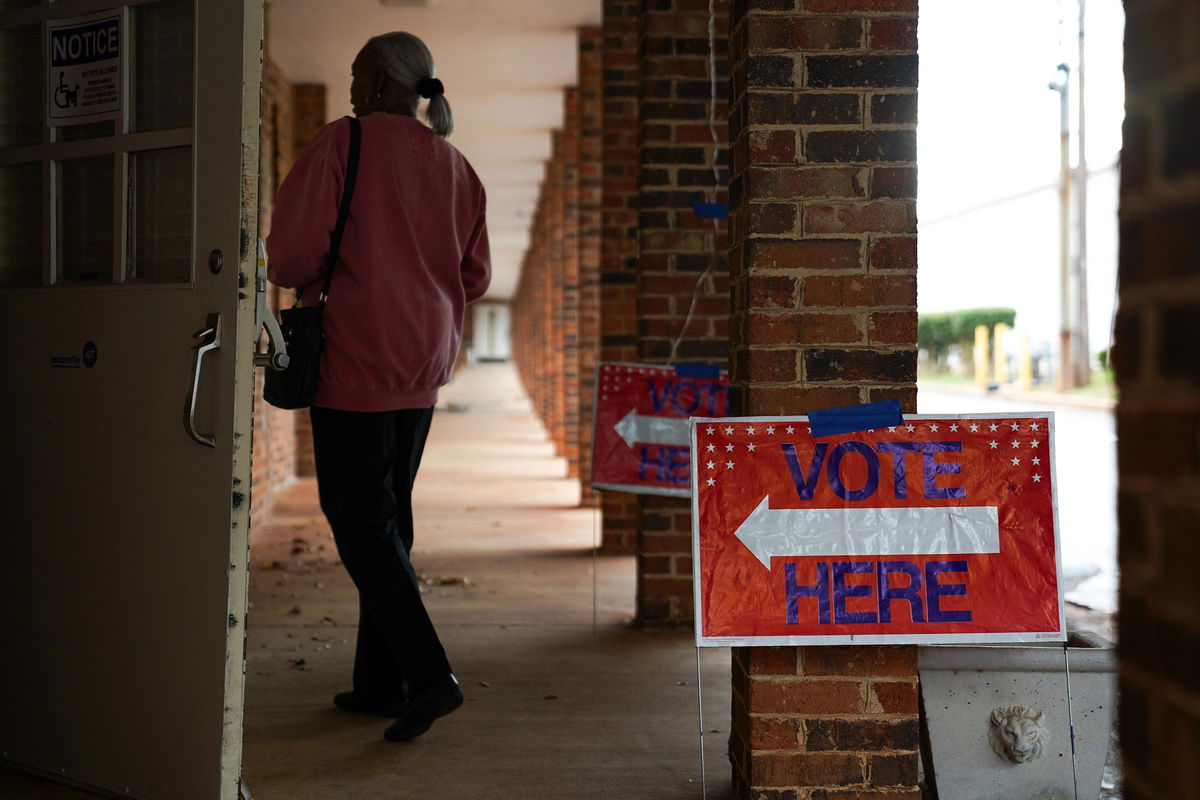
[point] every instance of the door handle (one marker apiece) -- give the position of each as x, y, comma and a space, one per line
276, 357
214, 331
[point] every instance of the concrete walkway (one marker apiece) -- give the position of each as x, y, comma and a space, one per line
556, 709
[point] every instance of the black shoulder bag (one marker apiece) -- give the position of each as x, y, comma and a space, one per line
296, 385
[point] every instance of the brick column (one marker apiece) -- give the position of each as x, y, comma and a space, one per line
591, 154
555, 333
568, 310
1158, 416
823, 259
676, 161
618, 225
308, 117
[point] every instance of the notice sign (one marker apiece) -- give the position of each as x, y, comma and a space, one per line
942, 529
83, 78
640, 442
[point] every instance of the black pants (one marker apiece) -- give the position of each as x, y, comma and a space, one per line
366, 464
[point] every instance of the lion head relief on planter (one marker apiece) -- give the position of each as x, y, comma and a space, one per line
1017, 733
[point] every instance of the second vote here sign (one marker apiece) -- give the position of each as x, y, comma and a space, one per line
939, 530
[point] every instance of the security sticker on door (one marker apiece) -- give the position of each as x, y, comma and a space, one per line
83, 76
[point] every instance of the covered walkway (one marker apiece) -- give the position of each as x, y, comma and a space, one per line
554, 709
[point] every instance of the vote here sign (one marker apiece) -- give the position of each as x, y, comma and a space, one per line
940, 530
640, 441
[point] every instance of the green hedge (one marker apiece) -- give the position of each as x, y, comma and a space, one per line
936, 333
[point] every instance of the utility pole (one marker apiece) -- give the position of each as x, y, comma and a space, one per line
1065, 344
1081, 355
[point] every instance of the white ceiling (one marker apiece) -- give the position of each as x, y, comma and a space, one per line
504, 65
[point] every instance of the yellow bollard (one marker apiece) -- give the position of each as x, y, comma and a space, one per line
1025, 373
982, 371
1000, 355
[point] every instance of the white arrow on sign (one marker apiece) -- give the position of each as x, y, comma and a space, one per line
769, 532
635, 427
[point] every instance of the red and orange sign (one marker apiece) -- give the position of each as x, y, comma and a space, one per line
641, 432
940, 530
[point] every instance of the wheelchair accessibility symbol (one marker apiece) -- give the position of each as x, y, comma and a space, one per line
83, 71
64, 95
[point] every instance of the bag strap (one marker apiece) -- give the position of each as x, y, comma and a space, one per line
335, 238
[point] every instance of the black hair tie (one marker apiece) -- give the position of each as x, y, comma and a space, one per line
428, 87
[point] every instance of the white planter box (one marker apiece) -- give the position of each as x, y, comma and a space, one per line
969, 694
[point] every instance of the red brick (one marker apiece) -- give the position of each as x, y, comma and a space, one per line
771, 291
892, 34
805, 254
774, 217
881, 216
772, 147
791, 183
652, 586
859, 290
803, 33
894, 327
773, 661
805, 769
767, 733
896, 697
808, 328
897, 660
770, 366
805, 697
843, 6
894, 253
770, 400
896, 793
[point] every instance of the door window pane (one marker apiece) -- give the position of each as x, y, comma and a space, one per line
160, 215
85, 219
90, 130
162, 72
21, 224
21, 74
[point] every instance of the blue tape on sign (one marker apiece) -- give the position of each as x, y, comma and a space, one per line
848, 419
708, 372
711, 210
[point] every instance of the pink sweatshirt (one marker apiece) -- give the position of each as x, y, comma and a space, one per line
414, 253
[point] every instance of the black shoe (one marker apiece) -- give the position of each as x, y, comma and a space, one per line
364, 704
436, 700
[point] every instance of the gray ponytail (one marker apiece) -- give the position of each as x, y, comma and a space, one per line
407, 63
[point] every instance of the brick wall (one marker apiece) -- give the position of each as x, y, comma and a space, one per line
1158, 416
568, 309
282, 443
538, 304
681, 266
273, 462
823, 258
591, 100
618, 228
308, 117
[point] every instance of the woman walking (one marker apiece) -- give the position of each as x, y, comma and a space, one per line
414, 252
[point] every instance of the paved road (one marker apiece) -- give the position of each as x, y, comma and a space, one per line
1086, 456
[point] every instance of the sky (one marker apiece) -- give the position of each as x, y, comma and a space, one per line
988, 149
